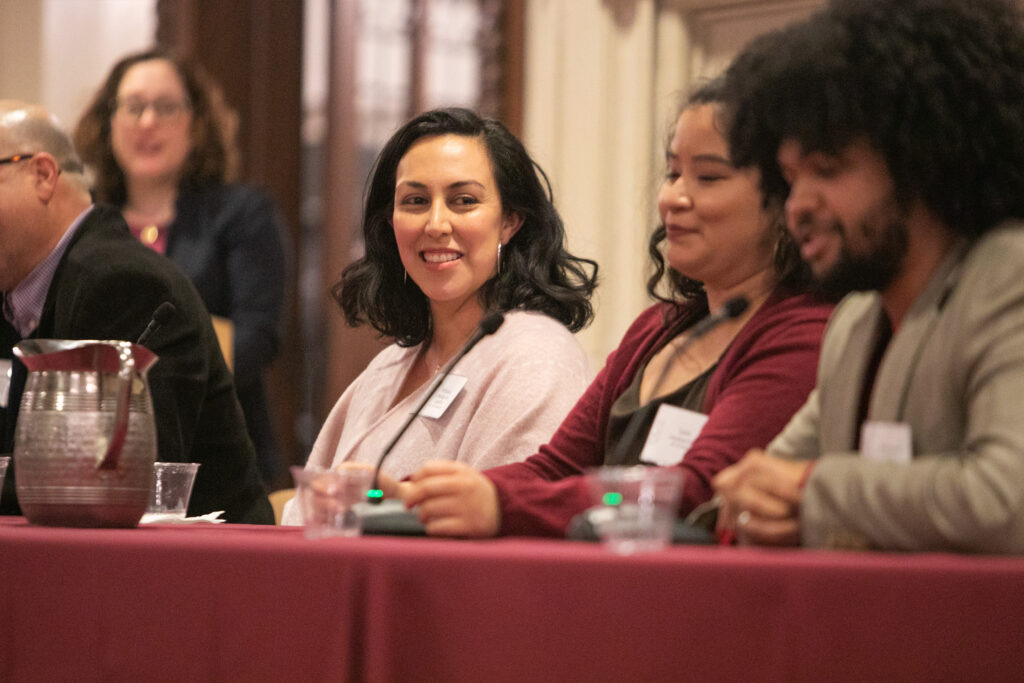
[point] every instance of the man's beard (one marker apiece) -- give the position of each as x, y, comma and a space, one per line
875, 269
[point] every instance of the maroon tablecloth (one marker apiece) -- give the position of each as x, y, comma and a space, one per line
237, 603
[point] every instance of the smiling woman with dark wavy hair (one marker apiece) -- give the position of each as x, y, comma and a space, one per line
458, 223
536, 272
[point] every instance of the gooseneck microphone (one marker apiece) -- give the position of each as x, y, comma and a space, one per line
161, 316
733, 308
489, 325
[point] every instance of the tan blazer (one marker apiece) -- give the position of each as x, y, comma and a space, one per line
954, 372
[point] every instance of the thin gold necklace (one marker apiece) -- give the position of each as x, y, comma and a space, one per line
439, 364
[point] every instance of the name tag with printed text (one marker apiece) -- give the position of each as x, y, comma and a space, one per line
886, 442
672, 433
443, 397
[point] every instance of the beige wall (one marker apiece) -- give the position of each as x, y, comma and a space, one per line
588, 122
56, 52
20, 28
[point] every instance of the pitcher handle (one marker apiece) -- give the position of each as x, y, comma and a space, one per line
108, 458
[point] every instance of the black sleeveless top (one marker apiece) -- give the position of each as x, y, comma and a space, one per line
689, 396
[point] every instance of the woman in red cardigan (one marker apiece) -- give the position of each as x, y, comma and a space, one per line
747, 376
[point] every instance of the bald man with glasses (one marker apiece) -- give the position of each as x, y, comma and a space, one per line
70, 269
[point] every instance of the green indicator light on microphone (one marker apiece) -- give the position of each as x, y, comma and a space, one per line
612, 498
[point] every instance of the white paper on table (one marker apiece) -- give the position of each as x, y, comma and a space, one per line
165, 518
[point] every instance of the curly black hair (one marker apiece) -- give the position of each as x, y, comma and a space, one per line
934, 86
790, 271
536, 273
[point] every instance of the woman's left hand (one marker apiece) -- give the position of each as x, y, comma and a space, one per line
454, 500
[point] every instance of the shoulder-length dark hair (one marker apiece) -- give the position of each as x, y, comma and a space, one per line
214, 156
536, 272
790, 271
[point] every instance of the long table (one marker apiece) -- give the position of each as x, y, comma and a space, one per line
246, 603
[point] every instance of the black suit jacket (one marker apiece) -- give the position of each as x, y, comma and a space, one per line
107, 286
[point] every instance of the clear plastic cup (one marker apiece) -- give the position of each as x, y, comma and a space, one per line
636, 506
172, 488
328, 499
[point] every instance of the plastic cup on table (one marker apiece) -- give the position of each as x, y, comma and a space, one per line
635, 506
328, 500
172, 488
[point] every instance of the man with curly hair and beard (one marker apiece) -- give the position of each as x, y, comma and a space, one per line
894, 131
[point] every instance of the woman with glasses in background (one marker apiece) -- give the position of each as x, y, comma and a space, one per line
159, 140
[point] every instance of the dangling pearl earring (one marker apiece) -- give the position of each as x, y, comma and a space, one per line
405, 276
499, 258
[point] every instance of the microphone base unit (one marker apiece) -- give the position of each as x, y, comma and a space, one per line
581, 528
389, 518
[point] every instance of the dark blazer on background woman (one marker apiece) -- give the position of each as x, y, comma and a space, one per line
229, 241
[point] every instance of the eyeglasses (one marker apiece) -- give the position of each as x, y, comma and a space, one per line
15, 159
164, 110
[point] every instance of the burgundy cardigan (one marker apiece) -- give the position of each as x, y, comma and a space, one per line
763, 377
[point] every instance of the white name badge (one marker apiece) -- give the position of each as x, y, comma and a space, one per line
443, 397
886, 442
672, 433
5, 381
